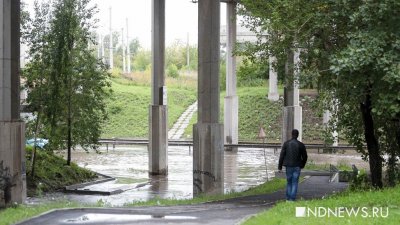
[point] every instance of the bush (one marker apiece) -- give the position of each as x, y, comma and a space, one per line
361, 182
250, 74
172, 71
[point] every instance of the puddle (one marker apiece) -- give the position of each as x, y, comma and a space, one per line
129, 165
95, 218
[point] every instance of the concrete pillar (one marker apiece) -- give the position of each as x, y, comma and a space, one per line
326, 120
111, 57
123, 51
231, 109
12, 129
292, 111
128, 48
158, 131
208, 146
273, 94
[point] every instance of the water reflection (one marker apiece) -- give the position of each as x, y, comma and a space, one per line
129, 165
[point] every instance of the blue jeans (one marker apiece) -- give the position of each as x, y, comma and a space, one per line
292, 176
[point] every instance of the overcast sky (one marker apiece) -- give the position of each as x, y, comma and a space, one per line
181, 19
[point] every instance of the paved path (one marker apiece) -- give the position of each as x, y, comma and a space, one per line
179, 127
226, 212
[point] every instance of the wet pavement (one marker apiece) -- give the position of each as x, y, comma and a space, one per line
231, 211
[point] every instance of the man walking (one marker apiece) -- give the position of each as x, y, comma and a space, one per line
294, 157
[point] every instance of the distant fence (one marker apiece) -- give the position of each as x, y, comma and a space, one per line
320, 147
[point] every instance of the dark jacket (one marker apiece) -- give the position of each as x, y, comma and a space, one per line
293, 154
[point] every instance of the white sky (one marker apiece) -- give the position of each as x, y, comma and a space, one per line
181, 19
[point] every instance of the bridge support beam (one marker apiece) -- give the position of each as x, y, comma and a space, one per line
158, 111
231, 109
208, 146
273, 94
292, 111
12, 129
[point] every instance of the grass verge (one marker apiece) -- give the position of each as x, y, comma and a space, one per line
265, 188
385, 202
22, 212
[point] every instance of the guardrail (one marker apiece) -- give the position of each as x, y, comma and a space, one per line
275, 146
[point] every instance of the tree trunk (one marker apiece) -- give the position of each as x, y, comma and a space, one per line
33, 160
398, 136
375, 160
69, 124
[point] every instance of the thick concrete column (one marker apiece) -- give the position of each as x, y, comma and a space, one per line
158, 135
273, 94
208, 146
231, 109
292, 111
12, 129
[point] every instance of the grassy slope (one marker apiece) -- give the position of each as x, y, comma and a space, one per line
129, 106
284, 213
255, 110
52, 173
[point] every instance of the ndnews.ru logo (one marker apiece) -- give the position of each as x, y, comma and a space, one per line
365, 212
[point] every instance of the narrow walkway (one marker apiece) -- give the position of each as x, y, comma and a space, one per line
179, 127
231, 211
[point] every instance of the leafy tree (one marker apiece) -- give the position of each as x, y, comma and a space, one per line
350, 49
68, 84
142, 60
134, 46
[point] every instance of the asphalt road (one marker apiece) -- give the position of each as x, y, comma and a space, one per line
232, 211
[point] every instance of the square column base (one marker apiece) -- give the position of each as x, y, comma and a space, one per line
231, 120
12, 163
208, 159
292, 119
273, 96
158, 140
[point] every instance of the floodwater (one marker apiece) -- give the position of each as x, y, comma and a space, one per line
129, 165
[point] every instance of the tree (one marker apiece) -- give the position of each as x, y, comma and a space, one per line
68, 84
142, 60
350, 49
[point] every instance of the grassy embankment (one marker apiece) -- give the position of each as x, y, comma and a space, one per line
385, 201
129, 107
255, 110
52, 173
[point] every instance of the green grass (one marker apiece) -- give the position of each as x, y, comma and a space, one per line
52, 173
19, 213
129, 108
311, 165
22, 212
128, 111
284, 213
255, 110
265, 188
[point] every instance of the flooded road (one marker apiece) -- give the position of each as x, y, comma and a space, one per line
129, 165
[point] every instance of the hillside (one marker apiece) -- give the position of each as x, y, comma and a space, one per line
128, 112
128, 109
